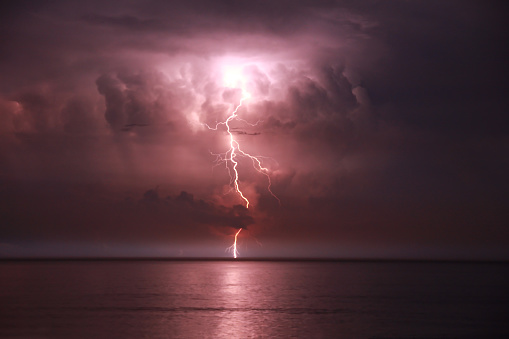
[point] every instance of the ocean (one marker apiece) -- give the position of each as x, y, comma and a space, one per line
253, 299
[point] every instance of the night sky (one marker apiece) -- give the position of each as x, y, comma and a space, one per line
383, 125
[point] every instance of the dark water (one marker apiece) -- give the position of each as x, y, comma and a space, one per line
226, 299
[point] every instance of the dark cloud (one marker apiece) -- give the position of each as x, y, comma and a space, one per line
382, 124
89, 214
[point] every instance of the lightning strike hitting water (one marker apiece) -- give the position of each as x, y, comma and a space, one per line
233, 247
229, 158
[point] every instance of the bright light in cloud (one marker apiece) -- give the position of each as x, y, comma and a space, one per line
237, 73
233, 77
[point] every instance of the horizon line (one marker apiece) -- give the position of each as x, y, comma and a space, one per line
281, 259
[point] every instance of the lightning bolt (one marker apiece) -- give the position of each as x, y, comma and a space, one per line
229, 157
234, 145
233, 248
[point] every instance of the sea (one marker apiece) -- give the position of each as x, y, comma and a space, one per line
253, 299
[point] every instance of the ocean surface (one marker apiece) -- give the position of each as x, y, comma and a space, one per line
253, 299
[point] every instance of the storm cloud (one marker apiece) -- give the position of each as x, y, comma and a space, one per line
383, 126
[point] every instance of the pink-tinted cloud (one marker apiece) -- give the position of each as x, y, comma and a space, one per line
381, 124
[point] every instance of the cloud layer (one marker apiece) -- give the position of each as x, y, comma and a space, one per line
382, 124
